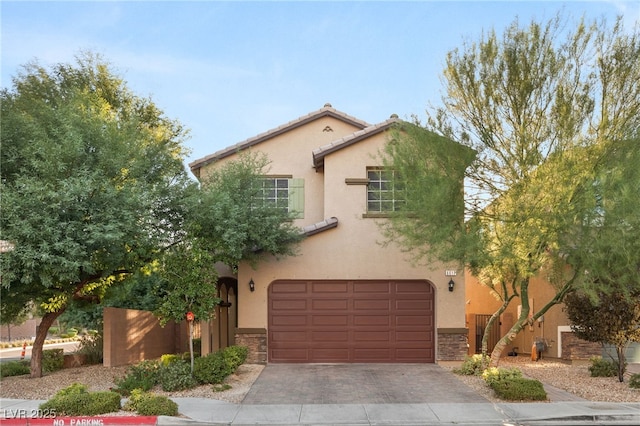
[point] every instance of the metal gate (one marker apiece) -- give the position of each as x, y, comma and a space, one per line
494, 333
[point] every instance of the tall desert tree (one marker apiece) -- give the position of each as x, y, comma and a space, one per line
543, 106
92, 185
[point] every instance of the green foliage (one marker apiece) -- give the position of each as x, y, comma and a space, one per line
228, 220
189, 281
541, 111
215, 367
235, 356
14, 368
144, 375
472, 365
104, 170
176, 375
91, 346
167, 359
634, 381
76, 401
603, 368
52, 359
148, 404
519, 389
495, 374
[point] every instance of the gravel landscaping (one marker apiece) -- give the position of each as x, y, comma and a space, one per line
571, 378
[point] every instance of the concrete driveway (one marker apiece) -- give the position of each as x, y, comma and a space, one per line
358, 384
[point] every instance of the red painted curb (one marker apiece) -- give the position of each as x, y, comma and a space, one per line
83, 421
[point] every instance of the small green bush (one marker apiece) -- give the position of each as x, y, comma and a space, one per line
144, 375
519, 389
472, 366
494, 374
634, 381
176, 375
72, 332
52, 359
76, 401
235, 356
149, 404
603, 368
91, 346
211, 369
14, 368
167, 359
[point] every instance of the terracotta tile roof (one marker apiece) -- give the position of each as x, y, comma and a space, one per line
320, 153
325, 111
316, 228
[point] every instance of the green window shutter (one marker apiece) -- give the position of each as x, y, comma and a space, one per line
296, 198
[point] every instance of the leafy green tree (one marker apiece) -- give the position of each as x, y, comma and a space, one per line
546, 107
227, 222
608, 319
92, 183
189, 282
229, 218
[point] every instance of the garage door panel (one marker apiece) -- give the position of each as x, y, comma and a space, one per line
289, 305
290, 320
329, 336
371, 287
351, 321
330, 320
329, 304
413, 304
329, 287
371, 304
371, 320
288, 287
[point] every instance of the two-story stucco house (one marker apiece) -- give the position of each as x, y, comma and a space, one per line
345, 297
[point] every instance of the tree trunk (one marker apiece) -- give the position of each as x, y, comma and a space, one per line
621, 362
41, 335
191, 343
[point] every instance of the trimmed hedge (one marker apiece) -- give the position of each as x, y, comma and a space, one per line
215, 367
76, 401
149, 404
519, 389
14, 368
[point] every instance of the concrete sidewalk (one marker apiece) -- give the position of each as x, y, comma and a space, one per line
202, 411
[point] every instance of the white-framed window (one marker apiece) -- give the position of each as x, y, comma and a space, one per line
384, 193
283, 192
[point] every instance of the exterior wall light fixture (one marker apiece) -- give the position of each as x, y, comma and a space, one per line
451, 284
252, 285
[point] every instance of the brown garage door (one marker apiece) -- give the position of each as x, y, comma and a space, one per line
351, 321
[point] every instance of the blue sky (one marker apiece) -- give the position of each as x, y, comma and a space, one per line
231, 70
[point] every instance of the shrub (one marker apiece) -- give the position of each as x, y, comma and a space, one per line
52, 360
519, 389
76, 401
72, 332
210, 369
634, 381
148, 404
235, 356
494, 374
14, 368
215, 367
176, 375
143, 375
167, 359
472, 366
91, 346
603, 368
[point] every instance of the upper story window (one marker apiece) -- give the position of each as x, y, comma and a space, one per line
384, 193
285, 193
